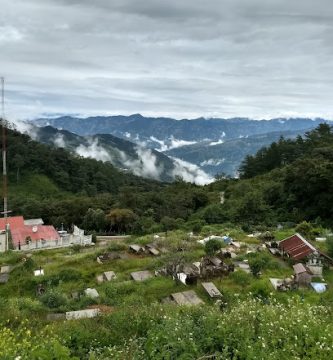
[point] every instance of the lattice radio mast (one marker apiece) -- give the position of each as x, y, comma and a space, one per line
4, 157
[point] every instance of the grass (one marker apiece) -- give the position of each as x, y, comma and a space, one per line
67, 271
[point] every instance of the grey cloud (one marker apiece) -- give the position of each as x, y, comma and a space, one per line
225, 58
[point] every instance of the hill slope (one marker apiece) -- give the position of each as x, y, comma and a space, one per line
291, 180
121, 153
69, 172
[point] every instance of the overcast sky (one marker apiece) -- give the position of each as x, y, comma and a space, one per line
179, 58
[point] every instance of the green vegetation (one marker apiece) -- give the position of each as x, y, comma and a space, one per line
212, 246
252, 322
288, 183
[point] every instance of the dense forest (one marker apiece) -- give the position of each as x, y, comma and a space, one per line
289, 181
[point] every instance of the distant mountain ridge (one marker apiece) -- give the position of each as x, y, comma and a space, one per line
138, 126
215, 145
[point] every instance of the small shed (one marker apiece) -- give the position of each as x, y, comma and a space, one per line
186, 298
212, 290
141, 275
302, 275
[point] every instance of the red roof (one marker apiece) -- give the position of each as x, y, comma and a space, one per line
41, 232
14, 222
297, 247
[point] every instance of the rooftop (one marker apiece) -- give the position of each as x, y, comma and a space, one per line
297, 247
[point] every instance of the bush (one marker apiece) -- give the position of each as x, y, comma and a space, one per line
259, 262
307, 230
213, 214
212, 246
53, 299
266, 236
260, 289
195, 225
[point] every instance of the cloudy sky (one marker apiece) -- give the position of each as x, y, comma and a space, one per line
179, 58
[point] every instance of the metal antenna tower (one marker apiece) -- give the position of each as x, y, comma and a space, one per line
4, 157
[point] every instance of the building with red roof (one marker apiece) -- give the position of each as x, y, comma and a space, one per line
14, 222
25, 237
296, 247
35, 234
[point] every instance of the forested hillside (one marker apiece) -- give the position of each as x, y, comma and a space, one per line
123, 154
291, 180
61, 188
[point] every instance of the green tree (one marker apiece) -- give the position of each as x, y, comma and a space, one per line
168, 223
304, 228
212, 246
121, 220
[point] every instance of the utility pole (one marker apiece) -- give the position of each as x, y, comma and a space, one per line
4, 158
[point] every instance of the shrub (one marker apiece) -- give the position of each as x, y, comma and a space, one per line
53, 299
259, 262
260, 289
212, 246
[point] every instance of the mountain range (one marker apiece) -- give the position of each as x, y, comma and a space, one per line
161, 148
123, 154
